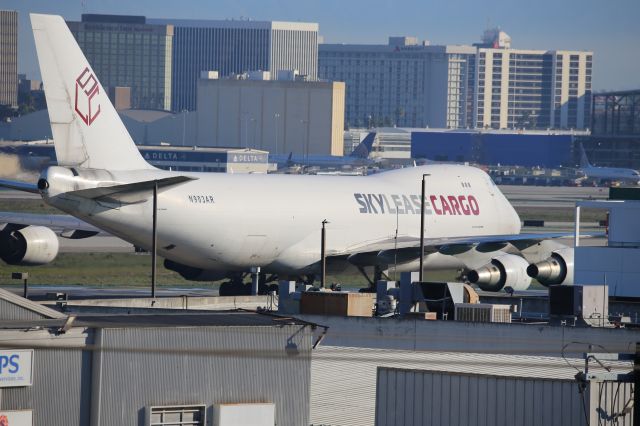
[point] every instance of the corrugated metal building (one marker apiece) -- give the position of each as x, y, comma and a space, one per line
149, 369
344, 370
422, 398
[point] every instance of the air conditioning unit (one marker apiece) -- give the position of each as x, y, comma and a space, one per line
483, 312
579, 305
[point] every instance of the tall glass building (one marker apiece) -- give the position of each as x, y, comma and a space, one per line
236, 47
403, 83
9, 58
127, 51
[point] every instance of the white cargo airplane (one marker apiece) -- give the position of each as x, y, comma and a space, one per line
213, 225
611, 174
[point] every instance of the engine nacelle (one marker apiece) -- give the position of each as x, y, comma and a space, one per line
194, 274
503, 271
33, 245
556, 269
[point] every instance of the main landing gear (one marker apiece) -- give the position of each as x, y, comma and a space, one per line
236, 285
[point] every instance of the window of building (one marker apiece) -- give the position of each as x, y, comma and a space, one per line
177, 415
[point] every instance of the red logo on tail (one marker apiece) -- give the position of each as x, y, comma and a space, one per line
88, 84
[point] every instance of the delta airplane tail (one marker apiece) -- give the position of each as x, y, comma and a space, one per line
87, 130
365, 147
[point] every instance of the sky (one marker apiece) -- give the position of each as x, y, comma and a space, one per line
609, 28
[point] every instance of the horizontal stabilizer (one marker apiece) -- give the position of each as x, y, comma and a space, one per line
129, 193
20, 186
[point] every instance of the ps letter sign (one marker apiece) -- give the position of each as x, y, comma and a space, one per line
16, 368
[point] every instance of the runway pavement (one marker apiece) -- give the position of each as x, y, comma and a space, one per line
551, 196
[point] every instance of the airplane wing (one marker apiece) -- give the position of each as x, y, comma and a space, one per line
64, 225
407, 247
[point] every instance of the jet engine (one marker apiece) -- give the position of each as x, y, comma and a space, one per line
556, 269
507, 270
33, 245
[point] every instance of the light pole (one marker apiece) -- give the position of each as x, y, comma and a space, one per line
154, 240
246, 124
276, 116
305, 124
323, 257
424, 175
184, 124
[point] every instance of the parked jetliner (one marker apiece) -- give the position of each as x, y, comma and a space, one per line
611, 174
358, 158
213, 225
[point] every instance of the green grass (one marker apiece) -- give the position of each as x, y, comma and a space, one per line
96, 269
559, 214
27, 205
134, 270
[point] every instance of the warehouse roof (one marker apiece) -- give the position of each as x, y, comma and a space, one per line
178, 318
186, 319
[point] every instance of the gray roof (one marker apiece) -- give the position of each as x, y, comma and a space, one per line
18, 308
177, 319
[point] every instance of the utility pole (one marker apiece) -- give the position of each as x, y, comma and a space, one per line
323, 258
636, 386
154, 242
422, 226
276, 116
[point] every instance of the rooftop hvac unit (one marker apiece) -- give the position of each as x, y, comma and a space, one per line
579, 305
483, 312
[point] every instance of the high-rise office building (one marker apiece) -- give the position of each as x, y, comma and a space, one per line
403, 83
9, 58
236, 47
533, 89
126, 51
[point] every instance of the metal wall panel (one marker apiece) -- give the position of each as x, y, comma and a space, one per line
413, 397
343, 379
60, 393
13, 312
142, 367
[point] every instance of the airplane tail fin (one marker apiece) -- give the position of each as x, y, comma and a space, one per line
87, 130
365, 147
584, 161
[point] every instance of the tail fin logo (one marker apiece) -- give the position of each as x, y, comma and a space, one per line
86, 89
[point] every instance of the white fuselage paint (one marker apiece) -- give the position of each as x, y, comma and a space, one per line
612, 173
233, 222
